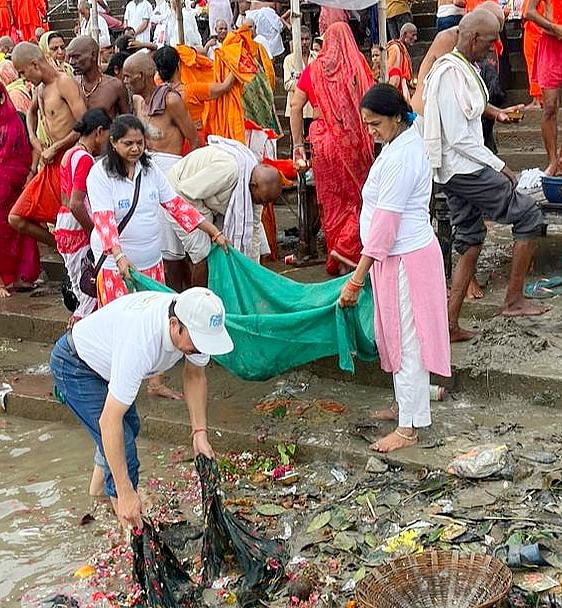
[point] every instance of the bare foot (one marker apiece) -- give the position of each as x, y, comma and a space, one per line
458, 334
524, 308
534, 105
553, 169
4, 293
161, 390
390, 413
398, 439
474, 291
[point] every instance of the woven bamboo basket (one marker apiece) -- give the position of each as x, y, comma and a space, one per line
436, 579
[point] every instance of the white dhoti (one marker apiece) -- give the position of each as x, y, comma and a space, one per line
411, 382
171, 246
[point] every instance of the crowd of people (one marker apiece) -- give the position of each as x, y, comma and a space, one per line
140, 153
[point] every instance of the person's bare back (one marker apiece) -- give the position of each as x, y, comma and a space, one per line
443, 43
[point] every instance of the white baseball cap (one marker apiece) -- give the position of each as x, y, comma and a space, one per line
202, 312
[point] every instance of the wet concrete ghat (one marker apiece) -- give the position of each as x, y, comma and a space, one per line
516, 366
319, 432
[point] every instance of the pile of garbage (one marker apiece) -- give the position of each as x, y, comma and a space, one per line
338, 522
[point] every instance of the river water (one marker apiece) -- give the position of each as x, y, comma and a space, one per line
45, 470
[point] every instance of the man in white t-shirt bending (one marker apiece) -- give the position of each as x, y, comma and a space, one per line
137, 16
98, 368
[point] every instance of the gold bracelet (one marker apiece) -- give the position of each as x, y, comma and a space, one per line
214, 239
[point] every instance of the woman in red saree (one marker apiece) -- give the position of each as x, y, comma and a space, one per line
19, 259
342, 151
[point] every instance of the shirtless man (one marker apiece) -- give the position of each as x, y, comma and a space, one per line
161, 108
168, 125
548, 62
57, 98
99, 90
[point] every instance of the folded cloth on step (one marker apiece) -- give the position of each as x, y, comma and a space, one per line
530, 179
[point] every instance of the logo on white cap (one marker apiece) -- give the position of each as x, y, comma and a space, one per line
202, 312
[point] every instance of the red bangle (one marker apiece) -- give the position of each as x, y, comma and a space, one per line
195, 431
352, 287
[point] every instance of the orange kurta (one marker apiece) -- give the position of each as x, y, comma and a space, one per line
403, 67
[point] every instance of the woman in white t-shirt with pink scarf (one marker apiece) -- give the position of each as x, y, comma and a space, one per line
404, 259
111, 186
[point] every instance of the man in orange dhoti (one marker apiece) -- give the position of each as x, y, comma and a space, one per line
548, 72
400, 71
60, 105
532, 33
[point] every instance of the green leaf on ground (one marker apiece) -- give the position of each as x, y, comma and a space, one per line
270, 510
321, 520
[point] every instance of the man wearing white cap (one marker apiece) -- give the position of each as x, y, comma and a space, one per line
99, 365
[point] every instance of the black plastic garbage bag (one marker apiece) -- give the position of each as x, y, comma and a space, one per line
159, 573
261, 559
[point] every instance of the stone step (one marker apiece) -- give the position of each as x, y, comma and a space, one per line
420, 49
40, 321
235, 424
423, 20
427, 34
518, 80
516, 96
518, 136
424, 6
518, 159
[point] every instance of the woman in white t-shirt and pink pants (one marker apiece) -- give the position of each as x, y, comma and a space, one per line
403, 256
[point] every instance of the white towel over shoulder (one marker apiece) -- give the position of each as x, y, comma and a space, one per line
239, 217
470, 92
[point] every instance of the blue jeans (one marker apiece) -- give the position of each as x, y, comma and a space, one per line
445, 23
84, 392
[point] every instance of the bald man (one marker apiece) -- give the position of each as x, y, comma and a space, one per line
548, 68
6, 47
224, 180
160, 107
400, 71
168, 126
444, 43
215, 42
57, 99
477, 183
99, 90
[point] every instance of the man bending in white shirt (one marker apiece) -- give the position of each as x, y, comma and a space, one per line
99, 365
477, 183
